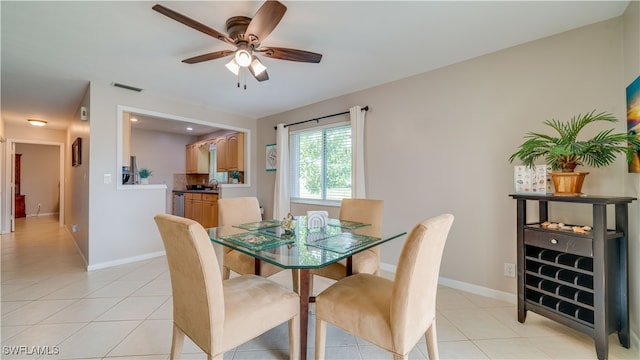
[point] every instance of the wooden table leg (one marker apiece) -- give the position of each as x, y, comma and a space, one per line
304, 277
256, 266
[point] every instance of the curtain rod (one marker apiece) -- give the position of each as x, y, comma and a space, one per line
366, 108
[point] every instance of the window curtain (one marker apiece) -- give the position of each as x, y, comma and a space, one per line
281, 193
357, 153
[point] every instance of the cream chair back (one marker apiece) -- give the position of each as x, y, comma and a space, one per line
367, 211
413, 299
196, 282
240, 210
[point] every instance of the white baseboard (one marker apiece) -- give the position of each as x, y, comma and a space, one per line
128, 260
479, 290
471, 288
43, 214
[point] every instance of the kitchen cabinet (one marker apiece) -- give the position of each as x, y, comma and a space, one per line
197, 158
235, 152
202, 208
221, 154
230, 151
209, 216
579, 279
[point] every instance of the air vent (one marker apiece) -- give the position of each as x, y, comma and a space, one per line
128, 87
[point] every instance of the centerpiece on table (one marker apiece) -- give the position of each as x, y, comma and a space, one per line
564, 151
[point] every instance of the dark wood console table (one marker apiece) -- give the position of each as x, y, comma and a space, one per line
577, 279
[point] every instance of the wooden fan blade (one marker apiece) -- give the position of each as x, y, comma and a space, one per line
265, 20
262, 77
290, 54
210, 56
192, 23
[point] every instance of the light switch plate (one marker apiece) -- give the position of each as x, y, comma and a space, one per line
107, 178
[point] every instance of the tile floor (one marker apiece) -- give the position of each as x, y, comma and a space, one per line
52, 306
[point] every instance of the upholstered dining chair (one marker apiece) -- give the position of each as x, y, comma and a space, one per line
236, 211
367, 211
219, 315
393, 315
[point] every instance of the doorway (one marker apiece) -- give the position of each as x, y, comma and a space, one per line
46, 194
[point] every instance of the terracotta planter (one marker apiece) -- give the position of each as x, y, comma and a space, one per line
568, 183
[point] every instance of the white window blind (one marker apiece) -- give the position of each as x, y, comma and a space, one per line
321, 163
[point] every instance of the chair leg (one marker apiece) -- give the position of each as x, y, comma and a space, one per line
432, 341
400, 357
294, 338
226, 273
321, 338
177, 343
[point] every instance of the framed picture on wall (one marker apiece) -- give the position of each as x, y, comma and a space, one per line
272, 157
76, 152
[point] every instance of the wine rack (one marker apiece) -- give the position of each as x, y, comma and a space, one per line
577, 279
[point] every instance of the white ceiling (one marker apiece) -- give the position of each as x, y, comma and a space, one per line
51, 50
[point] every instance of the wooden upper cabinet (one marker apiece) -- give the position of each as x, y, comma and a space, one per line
197, 158
235, 152
221, 154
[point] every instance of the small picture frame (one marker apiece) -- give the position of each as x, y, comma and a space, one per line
272, 157
76, 152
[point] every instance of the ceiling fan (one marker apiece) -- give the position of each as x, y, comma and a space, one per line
246, 34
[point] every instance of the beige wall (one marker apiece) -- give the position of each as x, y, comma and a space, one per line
121, 226
440, 141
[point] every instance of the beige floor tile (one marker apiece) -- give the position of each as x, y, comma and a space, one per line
83, 310
478, 324
519, 348
35, 312
95, 340
534, 325
151, 337
161, 286
566, 347
10, 306
77, 290
464, 350
164, 312
119, 288
451, 299
11, 331
133, 308
372, 352
44, 335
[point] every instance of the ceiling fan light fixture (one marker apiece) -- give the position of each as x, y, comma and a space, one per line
257, 66
233, 66
243, 57
36, 122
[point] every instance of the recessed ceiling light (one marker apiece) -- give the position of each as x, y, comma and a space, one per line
36, 122
190, 129
133, 119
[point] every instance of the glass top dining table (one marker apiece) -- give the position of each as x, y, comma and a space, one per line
302, 249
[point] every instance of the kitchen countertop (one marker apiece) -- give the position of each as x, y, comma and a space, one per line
197, 191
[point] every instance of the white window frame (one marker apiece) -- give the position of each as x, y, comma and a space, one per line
293, 150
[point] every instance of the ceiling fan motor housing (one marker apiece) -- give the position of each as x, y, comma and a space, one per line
237, 26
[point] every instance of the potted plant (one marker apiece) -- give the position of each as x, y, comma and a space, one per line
235, 176
564, 151
144, 175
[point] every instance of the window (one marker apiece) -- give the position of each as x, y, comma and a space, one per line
321, 163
